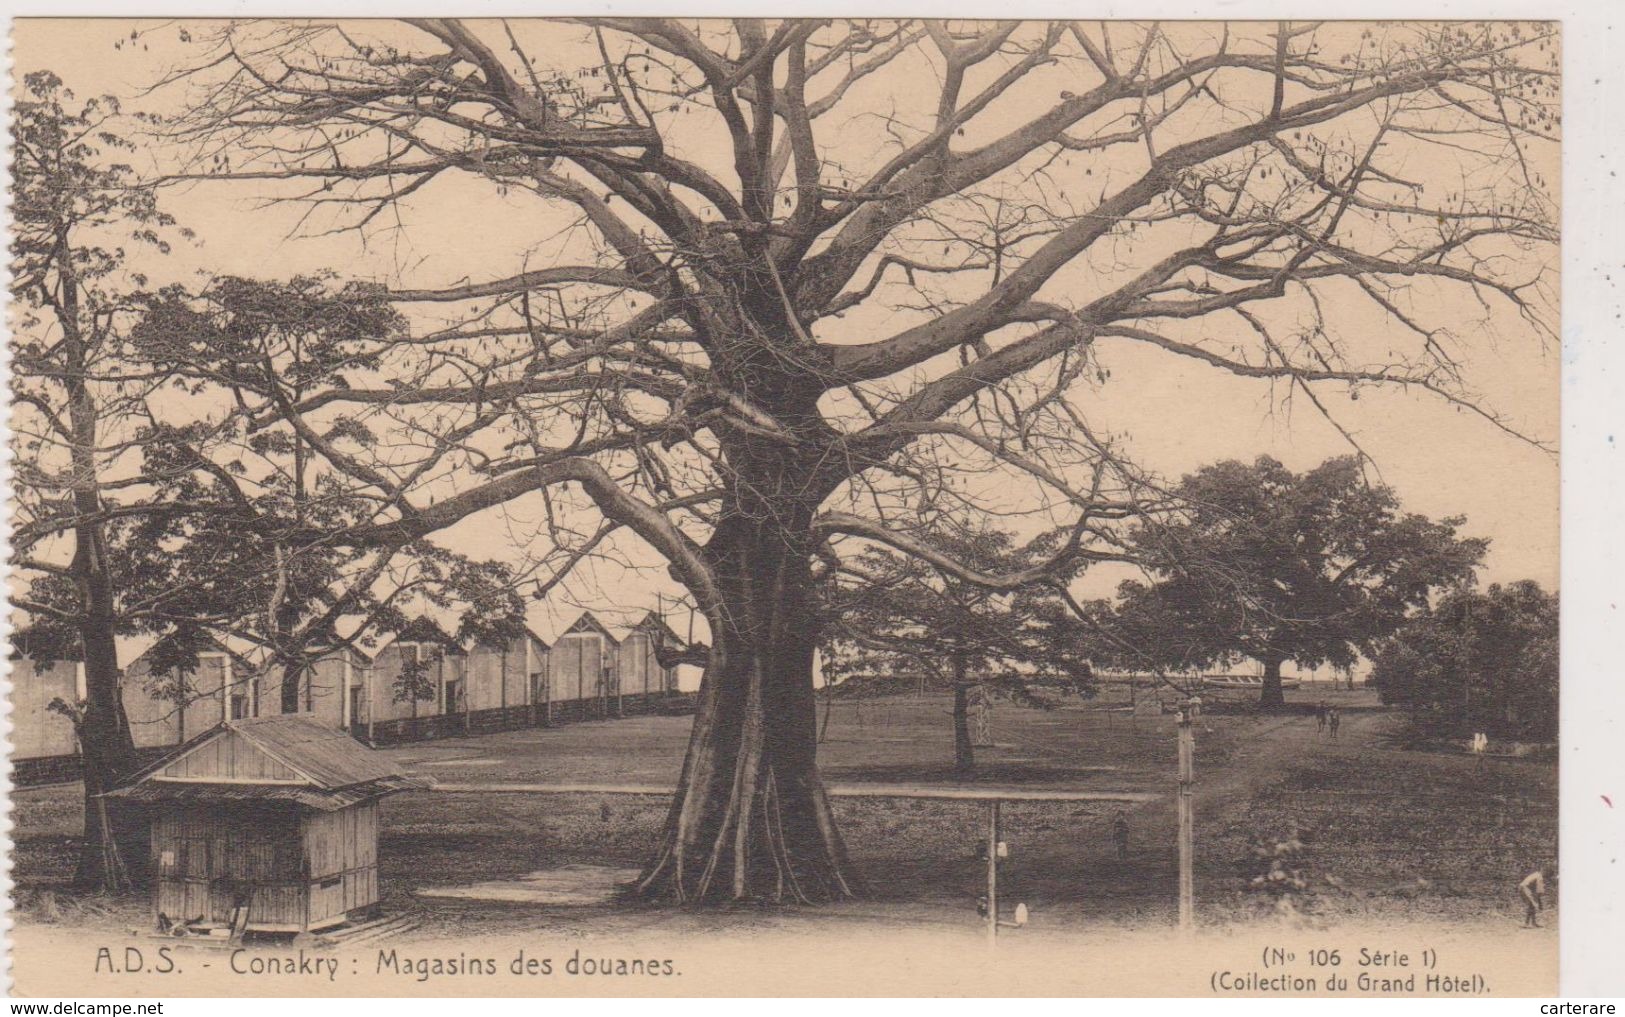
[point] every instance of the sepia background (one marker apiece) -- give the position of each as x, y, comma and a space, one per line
1171, 414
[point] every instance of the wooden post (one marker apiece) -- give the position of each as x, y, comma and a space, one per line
1187, 818
992, 872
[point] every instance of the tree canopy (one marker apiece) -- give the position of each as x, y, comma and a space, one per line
1478, 661
147, 503
893, 622
1263, 563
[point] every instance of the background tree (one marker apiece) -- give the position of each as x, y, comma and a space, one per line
147, 502
809, 285
419, 678
894, 622
1275, 566
240, 342
1478, 661
81, 401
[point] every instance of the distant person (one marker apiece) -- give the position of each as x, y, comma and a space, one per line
1320, 717
1481, 745
1120, 834
1533, 891
981, 718
1334, 720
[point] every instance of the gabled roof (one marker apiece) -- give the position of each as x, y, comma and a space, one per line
325, 756
530, 633
361, 657
588, 622
657, 625
281, 758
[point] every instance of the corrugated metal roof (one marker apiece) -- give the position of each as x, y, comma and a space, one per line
329, 758
322, 799
326, 755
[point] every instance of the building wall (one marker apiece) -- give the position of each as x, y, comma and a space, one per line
576, 664
498, 680
37, 730
641, 673
321, 691
387, 667
209, 703
450, 674
538, 679
153, 722
341, 854
200, 853
537, 685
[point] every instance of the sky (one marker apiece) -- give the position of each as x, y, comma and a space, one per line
1174, 414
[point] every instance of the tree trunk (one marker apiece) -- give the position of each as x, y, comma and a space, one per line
1273, 697
964, 753
829, 708
291, 680
750, 819
113, 850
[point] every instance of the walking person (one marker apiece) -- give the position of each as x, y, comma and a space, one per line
1334, 719
1320, 717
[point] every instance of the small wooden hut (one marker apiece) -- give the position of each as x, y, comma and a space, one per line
267, 825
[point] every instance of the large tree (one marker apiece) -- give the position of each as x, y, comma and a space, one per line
892, 622
261, 568
1477, 661
798, 286
81, 402
1275, 566
146, 503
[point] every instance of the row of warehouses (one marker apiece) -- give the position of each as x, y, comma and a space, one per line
588, 672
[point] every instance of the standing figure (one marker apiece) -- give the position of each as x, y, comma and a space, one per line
1334, 719
1533, 891
1320, 716
981, 716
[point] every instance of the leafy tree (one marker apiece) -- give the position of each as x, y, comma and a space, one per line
895, 622
80, 399
147, 503
1478, 661
268, 343
1264, 563
791, 303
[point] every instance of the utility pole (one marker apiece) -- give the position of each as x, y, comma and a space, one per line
997, 849
1187, 816
993, 873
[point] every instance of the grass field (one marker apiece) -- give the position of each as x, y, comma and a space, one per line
1388, 833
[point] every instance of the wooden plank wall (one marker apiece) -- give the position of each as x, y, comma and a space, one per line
207, 858
342, 851
229, 757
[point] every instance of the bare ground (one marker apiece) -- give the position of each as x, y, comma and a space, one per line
1390, 834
